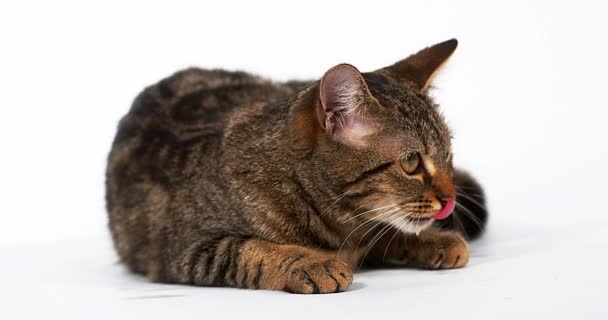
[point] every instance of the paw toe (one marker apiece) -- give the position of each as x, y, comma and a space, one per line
320, 277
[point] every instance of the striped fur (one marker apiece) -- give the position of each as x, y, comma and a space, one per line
219, 178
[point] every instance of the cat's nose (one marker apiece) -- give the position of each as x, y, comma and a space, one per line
447, 207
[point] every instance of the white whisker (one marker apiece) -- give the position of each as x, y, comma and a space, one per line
397, 231
470, 214
376, 209
361, 225
390, 212
334, 203
471, 199
379, 236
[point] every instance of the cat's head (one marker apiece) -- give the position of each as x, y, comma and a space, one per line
380, 141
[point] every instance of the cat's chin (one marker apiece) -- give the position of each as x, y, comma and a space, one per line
415, 226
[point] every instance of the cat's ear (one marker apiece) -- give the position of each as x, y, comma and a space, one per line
420, 67
345, 99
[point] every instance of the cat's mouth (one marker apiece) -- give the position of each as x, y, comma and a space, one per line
447, 207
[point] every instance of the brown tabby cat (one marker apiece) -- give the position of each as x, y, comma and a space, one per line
221, 178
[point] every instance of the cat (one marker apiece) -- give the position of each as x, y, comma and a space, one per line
219, 178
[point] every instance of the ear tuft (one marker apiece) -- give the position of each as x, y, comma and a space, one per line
420, 67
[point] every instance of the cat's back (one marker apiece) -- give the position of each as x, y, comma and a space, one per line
173, 133
185, 115
199, 98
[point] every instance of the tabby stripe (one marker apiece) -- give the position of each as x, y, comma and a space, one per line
206, 248
182, 158
258, 274
198, 275
229, 262
305, 196
243, 282
233, 256
221, 262
289, 261
363, 194
210, 260
182, 272
196, 256
369, 173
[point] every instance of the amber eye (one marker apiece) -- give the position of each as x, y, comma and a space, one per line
410, 163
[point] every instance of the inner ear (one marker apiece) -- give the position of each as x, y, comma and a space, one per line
345, 101
421, 67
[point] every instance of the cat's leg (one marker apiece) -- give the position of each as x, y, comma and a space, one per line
431, 249
258, 264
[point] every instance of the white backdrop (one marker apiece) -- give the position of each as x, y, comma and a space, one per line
524, 94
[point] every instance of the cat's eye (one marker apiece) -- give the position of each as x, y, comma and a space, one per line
410, 163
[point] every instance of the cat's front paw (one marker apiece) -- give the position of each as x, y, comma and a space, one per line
438, 250
322, 275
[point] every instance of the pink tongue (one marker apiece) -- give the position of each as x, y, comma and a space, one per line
447, 210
